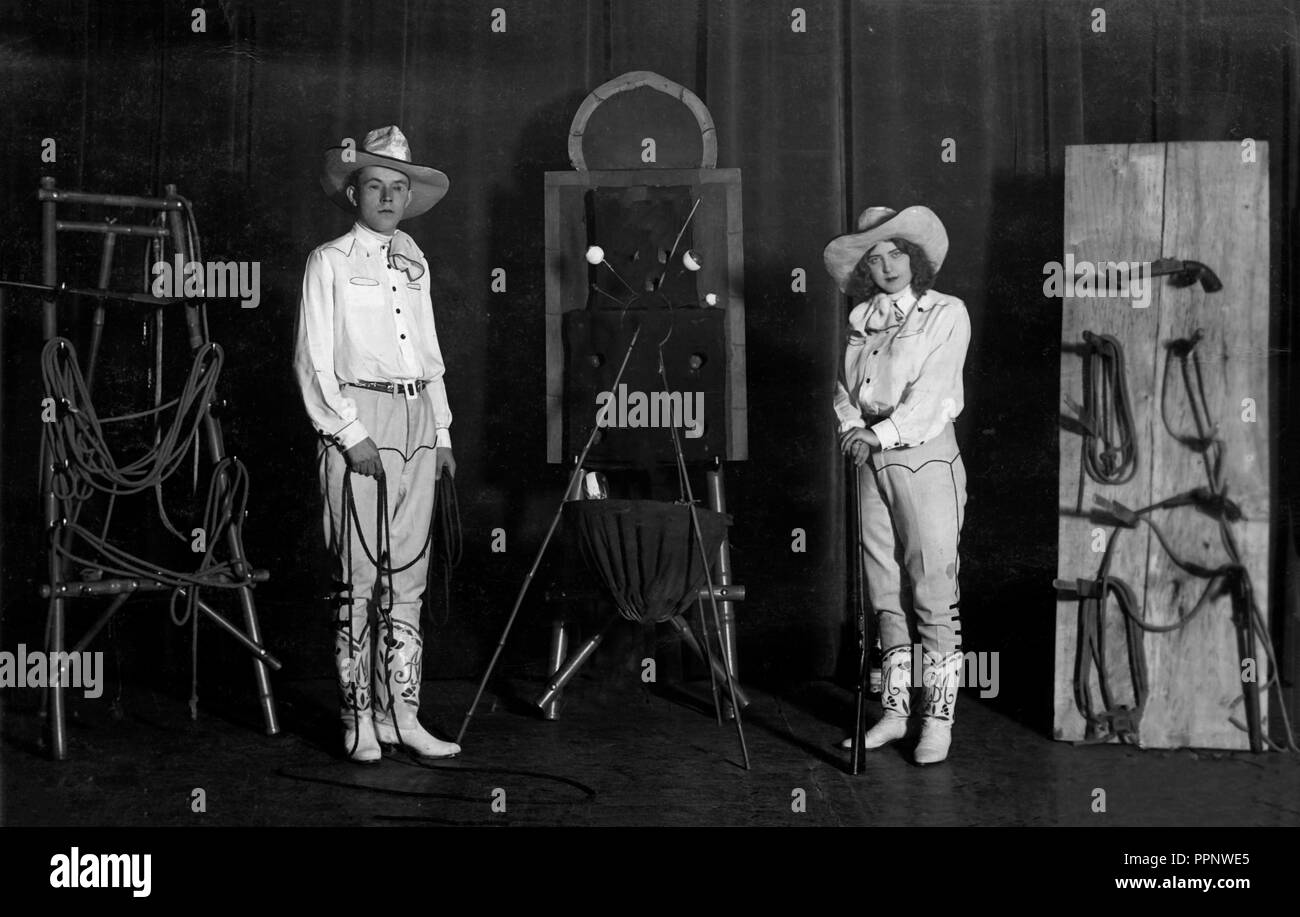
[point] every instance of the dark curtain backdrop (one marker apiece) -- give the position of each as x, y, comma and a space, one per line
850, 113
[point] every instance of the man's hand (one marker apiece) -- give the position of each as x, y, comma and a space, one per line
442, 458
859, 443
363, 458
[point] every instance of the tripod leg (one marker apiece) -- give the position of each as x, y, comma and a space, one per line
712, 663
541, 551
514, 613
689, 638
713, 603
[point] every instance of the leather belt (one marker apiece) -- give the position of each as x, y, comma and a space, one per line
409, 389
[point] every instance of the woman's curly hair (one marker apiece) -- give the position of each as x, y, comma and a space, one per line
861, 287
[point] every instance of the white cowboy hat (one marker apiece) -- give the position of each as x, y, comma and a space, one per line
387, 147
916, 224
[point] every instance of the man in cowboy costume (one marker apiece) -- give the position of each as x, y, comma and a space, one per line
901, 389
371, 373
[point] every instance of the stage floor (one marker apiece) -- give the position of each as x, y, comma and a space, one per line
615, 757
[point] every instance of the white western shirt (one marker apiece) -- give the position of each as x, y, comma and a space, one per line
903, 363
362, 321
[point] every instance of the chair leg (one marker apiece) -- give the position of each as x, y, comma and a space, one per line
727, 613
570, 668
726, 609
252, 629
559, 649
58, 715
261, 678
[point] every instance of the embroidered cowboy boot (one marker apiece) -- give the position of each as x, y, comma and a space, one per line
941, 677
397, 687
352, 662
895, 699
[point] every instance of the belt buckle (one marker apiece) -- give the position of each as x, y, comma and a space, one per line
409, 389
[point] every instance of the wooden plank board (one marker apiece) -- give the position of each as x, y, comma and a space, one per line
733, 294
1113, 212
1216, 212
566, 288
554, 342
1139, 203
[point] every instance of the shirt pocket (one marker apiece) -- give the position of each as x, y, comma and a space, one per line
907, 353
905, 348
364, 293
917, 323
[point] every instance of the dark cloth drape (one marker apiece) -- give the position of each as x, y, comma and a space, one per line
646, 552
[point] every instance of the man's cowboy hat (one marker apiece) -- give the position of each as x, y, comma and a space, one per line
916, 224
387, 147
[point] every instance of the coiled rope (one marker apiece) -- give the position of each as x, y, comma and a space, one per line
1110, 445
1231, 578
83, 463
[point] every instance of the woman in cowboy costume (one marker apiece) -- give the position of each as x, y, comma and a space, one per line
901, 390
371, 373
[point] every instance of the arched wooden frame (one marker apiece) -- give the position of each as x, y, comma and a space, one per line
635, 80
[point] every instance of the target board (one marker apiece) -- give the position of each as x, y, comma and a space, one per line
644, 233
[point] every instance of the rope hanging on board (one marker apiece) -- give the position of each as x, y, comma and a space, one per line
1110, 443
1231, 578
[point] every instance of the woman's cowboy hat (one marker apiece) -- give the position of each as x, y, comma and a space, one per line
916, 224
387, 147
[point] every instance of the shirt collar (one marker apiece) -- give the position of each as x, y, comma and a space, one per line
908, 299
923, 302
370, 240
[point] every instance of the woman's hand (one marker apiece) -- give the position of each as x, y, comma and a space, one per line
443, 463
858, 443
